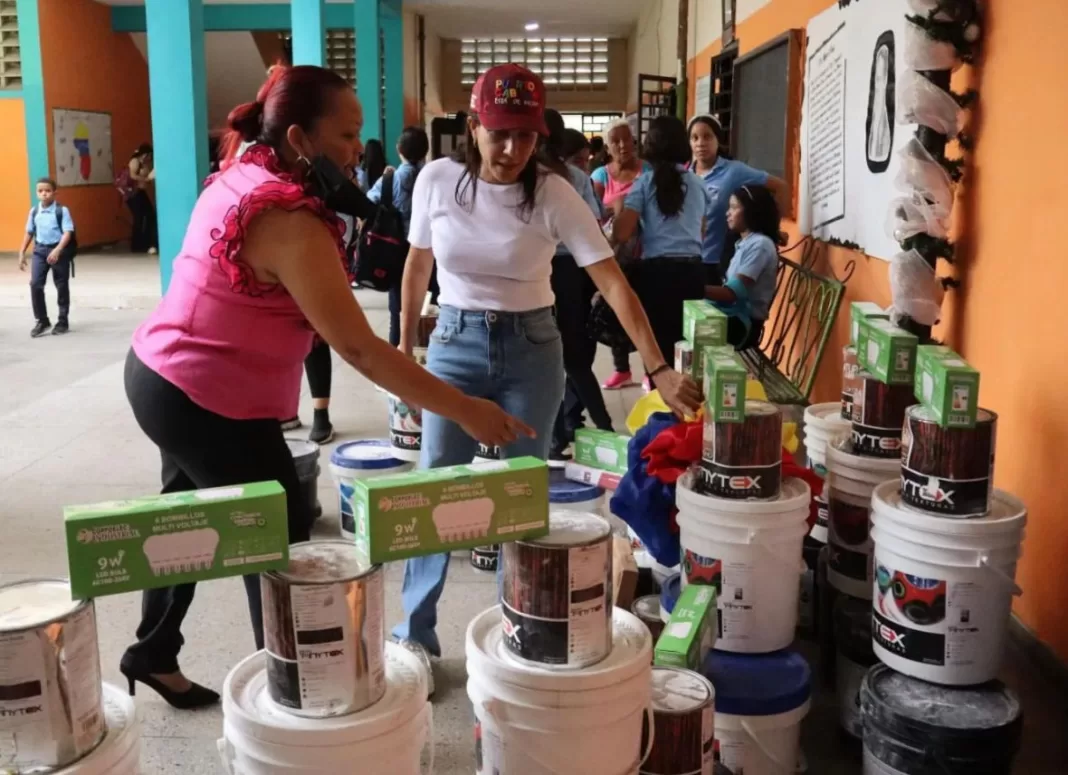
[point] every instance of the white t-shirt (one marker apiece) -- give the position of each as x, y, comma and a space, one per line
489, 256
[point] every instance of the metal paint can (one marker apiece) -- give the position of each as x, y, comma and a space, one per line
647, 608
683, 720
324, 631
51, 700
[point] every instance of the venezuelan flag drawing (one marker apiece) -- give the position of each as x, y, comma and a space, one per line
81, 145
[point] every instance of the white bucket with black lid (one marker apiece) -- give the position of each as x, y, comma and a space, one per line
355, 460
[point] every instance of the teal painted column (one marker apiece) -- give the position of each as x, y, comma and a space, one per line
33, 99
179, 117
366, 23
309, 32
393, 48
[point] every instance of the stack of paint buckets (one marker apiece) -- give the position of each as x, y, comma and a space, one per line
328, 690
355, 460
55, 714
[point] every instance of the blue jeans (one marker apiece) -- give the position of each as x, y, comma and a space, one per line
515, 360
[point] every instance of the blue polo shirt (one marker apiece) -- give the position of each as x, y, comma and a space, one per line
45, 227
676, 235
757, 258
581, 183
725, 177
403, 183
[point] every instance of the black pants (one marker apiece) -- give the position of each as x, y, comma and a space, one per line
320, 369
713, 275
39, 277
621, 359
144, 233
742, 339
201, 449
662, 285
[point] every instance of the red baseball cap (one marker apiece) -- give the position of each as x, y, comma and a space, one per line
507, 97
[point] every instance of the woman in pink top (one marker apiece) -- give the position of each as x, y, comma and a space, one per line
261, 270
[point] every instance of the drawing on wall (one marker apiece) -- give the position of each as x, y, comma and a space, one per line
882, 104
82, 144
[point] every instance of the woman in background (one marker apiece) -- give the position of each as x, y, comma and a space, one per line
372, 164
140, 173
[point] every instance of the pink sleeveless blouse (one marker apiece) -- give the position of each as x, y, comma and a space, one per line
235, 346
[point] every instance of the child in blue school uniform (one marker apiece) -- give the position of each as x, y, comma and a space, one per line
51, 230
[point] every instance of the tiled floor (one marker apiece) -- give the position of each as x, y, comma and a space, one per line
66, 436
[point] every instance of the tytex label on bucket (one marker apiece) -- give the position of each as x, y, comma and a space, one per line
910, 619
691, 632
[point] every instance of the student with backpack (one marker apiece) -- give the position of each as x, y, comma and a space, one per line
51, 229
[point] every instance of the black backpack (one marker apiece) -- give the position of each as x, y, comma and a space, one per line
383, 244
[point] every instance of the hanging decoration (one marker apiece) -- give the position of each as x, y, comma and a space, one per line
941, 35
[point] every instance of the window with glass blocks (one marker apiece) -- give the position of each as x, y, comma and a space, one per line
563, 63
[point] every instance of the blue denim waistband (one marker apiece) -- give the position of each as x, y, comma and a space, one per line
489, 319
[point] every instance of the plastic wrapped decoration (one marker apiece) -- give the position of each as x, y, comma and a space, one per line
922, 52
921, 102
921, 175
912, 215
915, 289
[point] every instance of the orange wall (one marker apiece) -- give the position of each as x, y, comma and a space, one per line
89, 67
1009, 317
15, 180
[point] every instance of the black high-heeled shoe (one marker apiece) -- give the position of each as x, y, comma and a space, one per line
196, 696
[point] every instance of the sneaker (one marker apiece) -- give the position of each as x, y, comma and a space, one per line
322, 431
42, 328
559, 456
618, 380
291, 424
62, 327
419, 650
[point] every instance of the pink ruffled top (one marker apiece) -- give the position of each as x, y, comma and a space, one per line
234, 345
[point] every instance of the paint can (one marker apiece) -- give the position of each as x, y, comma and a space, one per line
647, 608
944, 588
916, 728
119, 753
948, 471
761, 701
852, 632
534, 720
750, 552
850, 383
822, 422
683, 724
851, 478
51, 703
306, 459
879, 416
568, 495
743, 460
486, 558
323, 630
405, 429
556, 593
355, 460
259, 738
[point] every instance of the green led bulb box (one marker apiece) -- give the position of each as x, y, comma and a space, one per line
691, 631
703, 325
887, 352
725, 379
603, 450
948, 386
862, 310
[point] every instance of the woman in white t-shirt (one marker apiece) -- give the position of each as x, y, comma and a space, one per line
492, 219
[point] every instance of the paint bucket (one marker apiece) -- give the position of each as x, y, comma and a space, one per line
750, 551
850, 383
852, 632
808, 593
306, 459
534, 720
760, 703
486, 558
647, 608
323, 631
822, 423
948, 471
355, 460
879, 416
828, 596
743, 460
259, 738
851, 478
556, 593
944, 588
684, 706
119, 753
405, 429
916, 728
51, 705
669, 596
568, 495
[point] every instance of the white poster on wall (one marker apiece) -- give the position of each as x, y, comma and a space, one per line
849, 130
82, 143
702, 95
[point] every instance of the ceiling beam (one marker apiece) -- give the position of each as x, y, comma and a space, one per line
248, 17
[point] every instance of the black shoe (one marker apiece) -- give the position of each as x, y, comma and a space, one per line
196, 696
40, 329
62, 327
322, 431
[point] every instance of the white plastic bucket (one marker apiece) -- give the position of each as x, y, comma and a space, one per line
355, 460
751, 552
822, 423
261, 739
120, 751
944, 588
762, 745
539, 721
850, 482
405, 429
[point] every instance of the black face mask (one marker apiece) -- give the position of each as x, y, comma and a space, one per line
329, 182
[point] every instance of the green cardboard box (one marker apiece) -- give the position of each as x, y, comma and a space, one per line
458, 507
887, 352
862, 310
703, 325
947, 385
691, 632
163, 540
724, 383
603, 450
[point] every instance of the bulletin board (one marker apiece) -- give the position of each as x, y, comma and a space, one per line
82, 144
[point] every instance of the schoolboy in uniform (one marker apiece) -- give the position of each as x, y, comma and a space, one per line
51, 230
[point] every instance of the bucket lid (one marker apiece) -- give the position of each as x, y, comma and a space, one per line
572, 528
365, 455
564, 490
631, 654
677, 691
670, 591
1007, 514
841, 460
794, 497
302, 448
247, 705
971, 724
826, 417
323, 562
758, 684
34, 602
647, 607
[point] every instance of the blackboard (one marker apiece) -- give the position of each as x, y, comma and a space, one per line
761, 107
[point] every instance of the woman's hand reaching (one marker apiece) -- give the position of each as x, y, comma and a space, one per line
680, 393
486, 422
